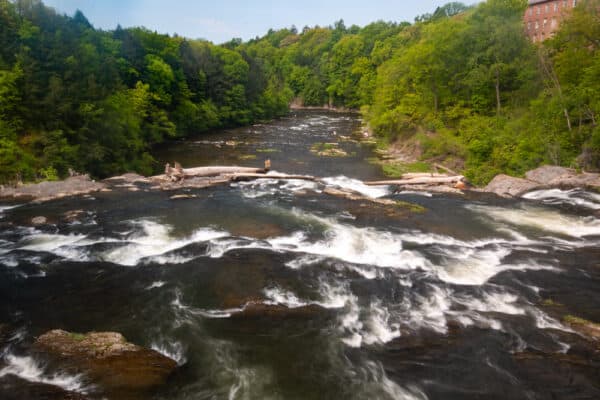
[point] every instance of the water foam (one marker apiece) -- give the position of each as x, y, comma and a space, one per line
151, 240
343, 182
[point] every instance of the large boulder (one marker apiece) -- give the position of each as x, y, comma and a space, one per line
508, 186
563, 177
107, 359
549, 174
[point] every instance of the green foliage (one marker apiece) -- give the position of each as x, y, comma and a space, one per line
464, 82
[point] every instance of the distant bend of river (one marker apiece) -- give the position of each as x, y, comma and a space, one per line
276, 290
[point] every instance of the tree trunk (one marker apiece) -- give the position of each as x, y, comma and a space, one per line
568, 119
419, 181
547, 67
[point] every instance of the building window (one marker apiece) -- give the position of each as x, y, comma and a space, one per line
529, 26
564, 3
553, 24
538, 10
545, 21
555, 7
530, 12
574, 3
547, 8
537, 26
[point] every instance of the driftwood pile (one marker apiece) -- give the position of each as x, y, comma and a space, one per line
201, 177
426, 181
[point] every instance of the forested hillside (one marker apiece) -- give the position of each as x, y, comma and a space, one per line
464, 83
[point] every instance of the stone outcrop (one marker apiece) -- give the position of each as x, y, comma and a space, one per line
549, 174
564, 177
508, 186
45, 191
544, 177
107, 359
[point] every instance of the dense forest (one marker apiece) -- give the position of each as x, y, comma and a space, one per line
464, 83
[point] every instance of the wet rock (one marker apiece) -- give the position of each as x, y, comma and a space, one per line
548, 174
585, 327
4, 335
15, 388
260, 310
264, 230
39, 220
107, 359
73, 215
508, 186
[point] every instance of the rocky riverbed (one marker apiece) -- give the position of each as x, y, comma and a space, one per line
299, 288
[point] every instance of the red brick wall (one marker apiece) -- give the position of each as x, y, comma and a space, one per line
543, 18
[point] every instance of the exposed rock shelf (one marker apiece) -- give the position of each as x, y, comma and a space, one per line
545, 177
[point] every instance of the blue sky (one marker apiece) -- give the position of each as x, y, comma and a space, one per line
221, 20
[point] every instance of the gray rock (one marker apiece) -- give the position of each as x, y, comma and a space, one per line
46, 191
508, 186
563, 177
548, 174
586, 180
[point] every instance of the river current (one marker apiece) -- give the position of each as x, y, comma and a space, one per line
275, 290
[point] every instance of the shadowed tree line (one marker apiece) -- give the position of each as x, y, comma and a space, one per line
463, 82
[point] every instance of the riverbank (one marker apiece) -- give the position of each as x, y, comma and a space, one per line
542, 178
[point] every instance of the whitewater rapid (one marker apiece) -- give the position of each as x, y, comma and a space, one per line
379, 283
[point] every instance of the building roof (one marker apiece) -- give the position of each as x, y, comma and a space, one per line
532, 2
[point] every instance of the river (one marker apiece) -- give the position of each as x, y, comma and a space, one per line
275, 290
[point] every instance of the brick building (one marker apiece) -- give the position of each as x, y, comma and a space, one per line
543, 17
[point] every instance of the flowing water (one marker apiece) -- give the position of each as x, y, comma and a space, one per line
275, 290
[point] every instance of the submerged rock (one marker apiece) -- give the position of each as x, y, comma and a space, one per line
107, 359
15, 388
508, 186
260, 310
73, 215
585, 327
39, 220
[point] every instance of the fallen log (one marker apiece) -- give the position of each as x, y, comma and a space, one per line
206, 172
216, 171
411, 175
419, 181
